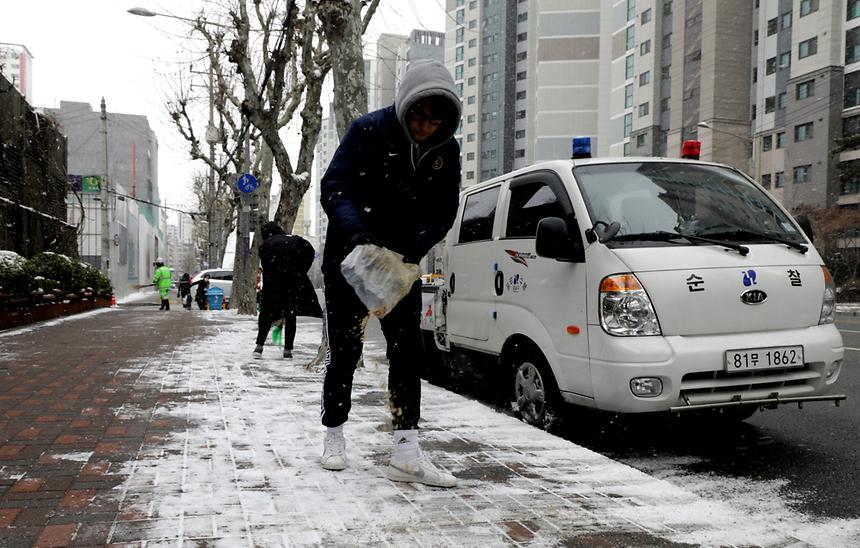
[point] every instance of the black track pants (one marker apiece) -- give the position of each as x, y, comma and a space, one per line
344, 315
271, 314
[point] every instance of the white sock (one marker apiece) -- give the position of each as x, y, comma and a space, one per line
405, 445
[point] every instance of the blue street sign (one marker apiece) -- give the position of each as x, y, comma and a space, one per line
246, 183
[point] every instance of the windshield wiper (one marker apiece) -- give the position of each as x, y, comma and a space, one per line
663, 236
743, 232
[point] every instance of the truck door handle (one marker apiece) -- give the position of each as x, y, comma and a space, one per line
499, 282
451, 283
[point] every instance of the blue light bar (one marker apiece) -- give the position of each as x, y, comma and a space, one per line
581, 147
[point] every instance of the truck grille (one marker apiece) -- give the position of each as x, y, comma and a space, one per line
719, 386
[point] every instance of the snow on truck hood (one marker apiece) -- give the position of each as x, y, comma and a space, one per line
697, 290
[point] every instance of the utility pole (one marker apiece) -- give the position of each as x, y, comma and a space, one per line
103, 193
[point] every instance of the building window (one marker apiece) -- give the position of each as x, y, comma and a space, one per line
769, 104
801, 173
755, 37
470, 100
765, 180
805, 89
755, 75
646, 16
645, 47
770, 66
807, 48
667, 40
473, 24
458, 53
521, 56
645, 78
470, 156
521, 75
852, 46
520, 114
460, 34
472, 61
628, 124
772, 26
781, 100
631, 9
785, 59
473, 42
470, 119
458, 72
521, 95
631, 37
470, 175
522, 17
520, 153
627, 149
641, 140
520, 134
459, 88
779, 179
471, 81
807, 7
803, 132
853, 9
786, 20
628, 70
780, 139
628, 96
852, 89
753, 112
767, 143
470, 138
643, 110
667, 7
522, 37
664, 105
461, 16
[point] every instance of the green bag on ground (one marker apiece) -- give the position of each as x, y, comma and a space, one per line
278, 335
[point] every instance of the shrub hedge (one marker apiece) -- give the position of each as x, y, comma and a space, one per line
46, 272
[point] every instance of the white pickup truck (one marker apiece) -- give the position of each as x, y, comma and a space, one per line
635, 285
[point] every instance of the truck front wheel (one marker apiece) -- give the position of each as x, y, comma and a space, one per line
536, 397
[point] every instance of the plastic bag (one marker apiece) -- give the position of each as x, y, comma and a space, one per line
379, 277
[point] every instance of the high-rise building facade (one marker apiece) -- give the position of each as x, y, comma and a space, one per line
767, 86
16, 64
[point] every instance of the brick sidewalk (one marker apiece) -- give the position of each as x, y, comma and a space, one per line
71, 412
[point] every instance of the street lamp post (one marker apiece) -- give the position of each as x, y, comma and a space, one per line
212, 138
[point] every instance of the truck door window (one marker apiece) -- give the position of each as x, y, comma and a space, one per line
529, 204
478, 214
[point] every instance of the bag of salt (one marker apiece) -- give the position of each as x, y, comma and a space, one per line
379, 277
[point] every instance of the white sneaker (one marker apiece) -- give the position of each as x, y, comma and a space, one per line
334, 451
420, 470
258, 352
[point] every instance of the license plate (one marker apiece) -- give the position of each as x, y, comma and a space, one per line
756, 359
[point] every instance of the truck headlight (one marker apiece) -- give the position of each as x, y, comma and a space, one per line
625, 308
828, 303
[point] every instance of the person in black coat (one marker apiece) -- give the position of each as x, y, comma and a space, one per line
184, 292
200, 295
394, 181
287, 290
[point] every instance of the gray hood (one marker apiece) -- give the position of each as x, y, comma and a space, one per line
426, 78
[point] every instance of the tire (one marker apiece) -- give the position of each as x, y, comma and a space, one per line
536, 399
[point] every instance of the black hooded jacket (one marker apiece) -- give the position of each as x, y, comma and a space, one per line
383, 183
286, 259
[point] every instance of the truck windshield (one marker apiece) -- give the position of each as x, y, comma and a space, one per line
688, 199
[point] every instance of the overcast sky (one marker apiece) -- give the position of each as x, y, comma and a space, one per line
88, 49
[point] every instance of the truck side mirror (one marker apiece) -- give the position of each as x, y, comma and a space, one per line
554, 241
806, 226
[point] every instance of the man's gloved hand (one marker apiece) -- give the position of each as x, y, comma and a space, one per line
362, 238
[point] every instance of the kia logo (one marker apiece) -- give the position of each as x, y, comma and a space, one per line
753, 296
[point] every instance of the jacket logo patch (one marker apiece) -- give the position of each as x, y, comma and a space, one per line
437, 163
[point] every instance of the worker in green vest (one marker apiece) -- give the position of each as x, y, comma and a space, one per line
162, 280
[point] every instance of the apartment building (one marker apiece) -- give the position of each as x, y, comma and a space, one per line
16, 64
528, 73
